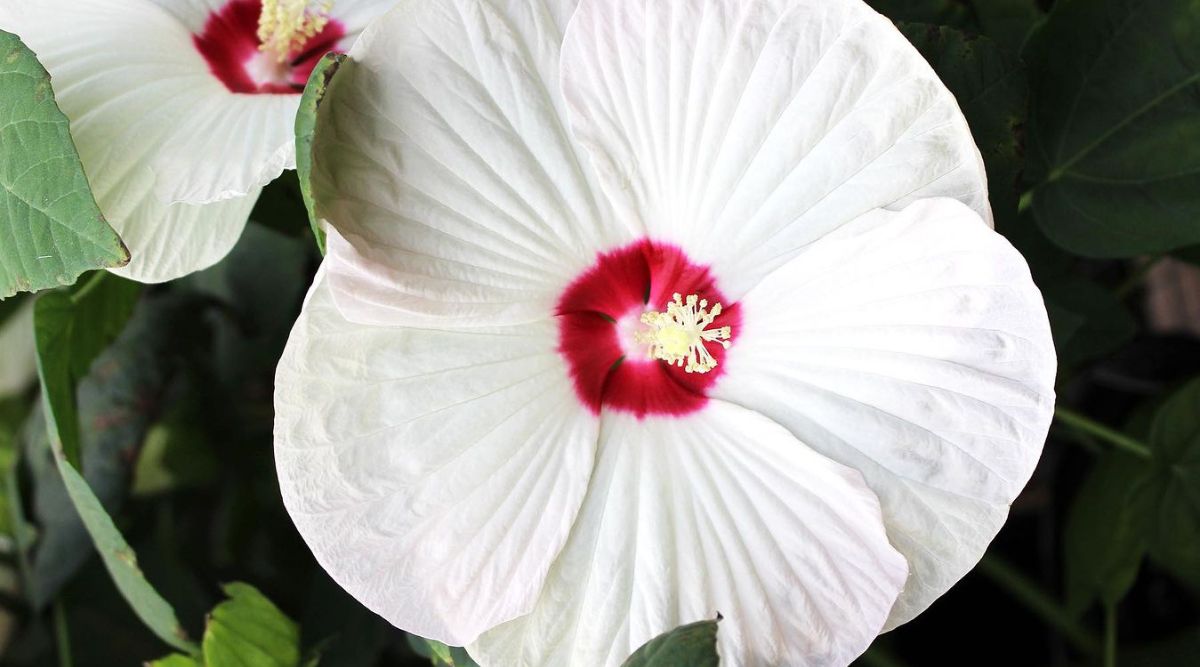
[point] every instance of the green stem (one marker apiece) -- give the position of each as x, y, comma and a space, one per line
1039, 602
1110, 635
62, 640
95, 279
1115, 438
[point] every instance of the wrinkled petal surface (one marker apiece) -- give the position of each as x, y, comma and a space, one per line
447, 167
435, 475
743, 131
914, 347
723, 512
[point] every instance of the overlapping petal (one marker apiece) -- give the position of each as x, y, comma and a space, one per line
435, 475
447, 166
724, 512
914, 347
745, 130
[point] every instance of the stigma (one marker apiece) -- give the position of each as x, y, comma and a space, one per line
285, 26
680, 336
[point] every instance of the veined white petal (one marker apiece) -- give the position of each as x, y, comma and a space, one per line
912, 346
444, 160
435, 475
18, 356
722, 512
743, 131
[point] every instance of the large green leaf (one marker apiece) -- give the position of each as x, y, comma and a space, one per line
118, 400
306, 124
692, 645
991, 89
248, 630
1114, 127
1175, 520
50, 227
71, 328
1105, 537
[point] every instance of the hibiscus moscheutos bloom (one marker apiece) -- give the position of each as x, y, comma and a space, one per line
182, 110
18, 360
639, 312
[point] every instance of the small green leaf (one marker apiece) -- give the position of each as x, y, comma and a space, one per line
1114, 127
51, 227
249, 630
692, 645
992, 91
306, 124
71, 328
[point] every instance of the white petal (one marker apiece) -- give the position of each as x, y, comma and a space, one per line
914, 347
435, 475
744, 130
18, 356
127, 76
444, 160
720, 512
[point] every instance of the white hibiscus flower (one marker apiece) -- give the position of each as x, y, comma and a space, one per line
484, 432
178, 114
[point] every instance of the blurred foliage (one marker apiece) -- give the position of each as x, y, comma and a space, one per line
1087, 115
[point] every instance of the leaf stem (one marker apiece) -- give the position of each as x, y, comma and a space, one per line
1115, 438
1039, 602
94, 280
62, 638
1110, 635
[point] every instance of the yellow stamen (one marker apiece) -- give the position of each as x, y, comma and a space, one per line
679, 335
285, 26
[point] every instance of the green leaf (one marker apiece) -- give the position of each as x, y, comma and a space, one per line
439, 654
71, 328
1105, 537
692, 645
306, 124
992, 91
121, 561
942, 12
248, 630
118, 400
52, 228
1088, 321
1175, 521
1008, 22
1114, 128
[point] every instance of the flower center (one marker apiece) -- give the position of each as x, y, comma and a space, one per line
285, 26
680, 335
267, 46
631, 339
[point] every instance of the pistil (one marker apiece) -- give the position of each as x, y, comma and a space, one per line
285, 26
681, 334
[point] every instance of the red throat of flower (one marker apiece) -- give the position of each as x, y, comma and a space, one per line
617, 333
231, 45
